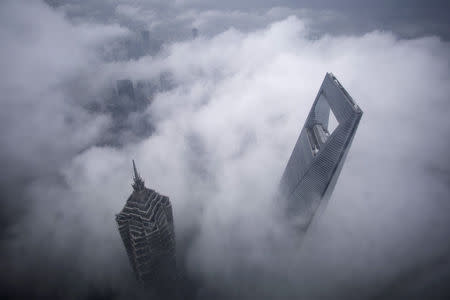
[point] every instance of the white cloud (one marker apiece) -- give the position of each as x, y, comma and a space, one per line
41, 62
223, 136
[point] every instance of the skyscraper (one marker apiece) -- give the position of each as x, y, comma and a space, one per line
147, 230
316, 161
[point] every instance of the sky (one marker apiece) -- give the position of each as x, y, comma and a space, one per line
224, 123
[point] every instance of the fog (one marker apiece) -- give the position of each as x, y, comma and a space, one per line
223, 126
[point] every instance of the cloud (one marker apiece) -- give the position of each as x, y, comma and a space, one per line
40, 62
223, 134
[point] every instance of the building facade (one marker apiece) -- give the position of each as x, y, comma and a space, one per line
319, 154
147, 230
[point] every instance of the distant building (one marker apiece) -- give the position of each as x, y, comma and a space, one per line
123, 101
316, 161
125, 88
145, 35
194, 32
147, 230
144, 93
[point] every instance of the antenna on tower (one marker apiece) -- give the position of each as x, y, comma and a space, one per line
138, 184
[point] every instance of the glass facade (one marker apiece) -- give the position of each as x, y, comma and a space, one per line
316, 161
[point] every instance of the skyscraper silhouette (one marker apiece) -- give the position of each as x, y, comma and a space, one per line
316, 161
147, 230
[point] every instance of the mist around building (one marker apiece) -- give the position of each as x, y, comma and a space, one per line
206, 150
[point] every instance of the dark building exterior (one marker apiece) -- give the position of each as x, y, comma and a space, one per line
320, 152
124, 101
147, 230
194, 33
145, 35
125, 88
130, 99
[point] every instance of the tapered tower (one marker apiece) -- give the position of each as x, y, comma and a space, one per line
319, 154
147, 230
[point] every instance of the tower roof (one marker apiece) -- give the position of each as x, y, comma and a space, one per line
138, 184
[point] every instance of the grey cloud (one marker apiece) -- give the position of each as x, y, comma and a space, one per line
406, 18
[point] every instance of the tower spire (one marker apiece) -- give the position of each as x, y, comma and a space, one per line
138, 184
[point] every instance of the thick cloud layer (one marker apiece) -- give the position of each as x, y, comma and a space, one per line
223, 133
